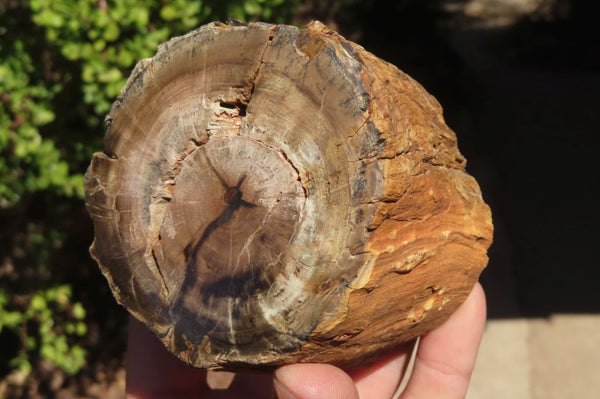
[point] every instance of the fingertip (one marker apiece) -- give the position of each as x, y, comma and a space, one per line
313, 381
477, 300
382, 379
282, 391
446, 356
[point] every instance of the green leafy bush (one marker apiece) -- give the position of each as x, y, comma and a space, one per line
62, 63
85, 50
50, 318
29, 162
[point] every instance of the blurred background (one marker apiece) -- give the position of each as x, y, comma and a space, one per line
519, 83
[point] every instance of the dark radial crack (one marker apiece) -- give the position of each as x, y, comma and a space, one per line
233, 199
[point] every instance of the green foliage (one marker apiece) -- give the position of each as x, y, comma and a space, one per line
85, 50
107, 38
62, 63
28, 161
45, 321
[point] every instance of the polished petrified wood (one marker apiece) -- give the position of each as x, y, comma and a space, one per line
271, 195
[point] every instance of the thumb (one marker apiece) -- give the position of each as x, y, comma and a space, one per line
313, 381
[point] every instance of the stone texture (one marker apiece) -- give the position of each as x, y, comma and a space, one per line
271, 195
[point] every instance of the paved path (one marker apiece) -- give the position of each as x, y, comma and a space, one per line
554, 358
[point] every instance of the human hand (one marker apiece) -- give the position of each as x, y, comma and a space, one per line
442, 369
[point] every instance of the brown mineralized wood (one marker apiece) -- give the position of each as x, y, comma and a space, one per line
271, 195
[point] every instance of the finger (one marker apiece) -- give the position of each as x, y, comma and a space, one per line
446, 356
313, 381
152, 372
381, 380
219, 380
253, 384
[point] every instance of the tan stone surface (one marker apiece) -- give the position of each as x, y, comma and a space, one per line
502, 369
552, 358
564, 353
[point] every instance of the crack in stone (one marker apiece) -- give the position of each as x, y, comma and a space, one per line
162, 277
158, 204
261, 62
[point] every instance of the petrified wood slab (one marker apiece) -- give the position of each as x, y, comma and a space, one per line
271, 195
